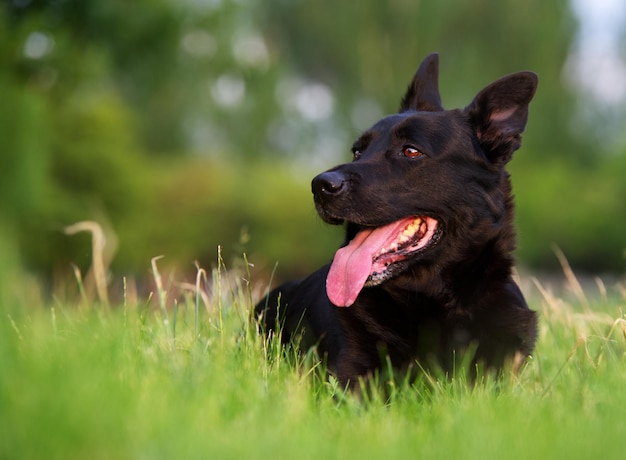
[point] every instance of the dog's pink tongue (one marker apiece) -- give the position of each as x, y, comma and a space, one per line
352, 264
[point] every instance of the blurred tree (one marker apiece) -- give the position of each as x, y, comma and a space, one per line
295, 77
68, 44
372, 51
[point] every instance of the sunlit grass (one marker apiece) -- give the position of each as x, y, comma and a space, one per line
184, 374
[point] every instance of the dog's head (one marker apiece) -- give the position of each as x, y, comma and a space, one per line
422, 177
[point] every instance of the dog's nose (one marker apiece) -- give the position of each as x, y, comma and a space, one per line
328, 185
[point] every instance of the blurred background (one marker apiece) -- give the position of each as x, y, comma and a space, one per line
181, 125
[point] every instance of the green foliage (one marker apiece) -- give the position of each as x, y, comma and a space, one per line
577, 209
261, 209
91, 171
132, 45
131, 382
23, 164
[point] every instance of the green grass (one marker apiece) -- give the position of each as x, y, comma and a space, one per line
140, 381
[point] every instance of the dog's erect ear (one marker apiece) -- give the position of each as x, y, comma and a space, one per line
423, 92
499, 113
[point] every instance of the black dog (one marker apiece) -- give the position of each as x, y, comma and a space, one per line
425, 272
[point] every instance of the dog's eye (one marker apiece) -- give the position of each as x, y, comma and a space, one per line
410, 152
356, 154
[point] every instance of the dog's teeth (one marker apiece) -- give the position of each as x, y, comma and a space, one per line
406, 235
410, 230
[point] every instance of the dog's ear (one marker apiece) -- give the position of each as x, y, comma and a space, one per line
423, 92
499, 113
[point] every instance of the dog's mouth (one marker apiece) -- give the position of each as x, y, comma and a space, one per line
370, 258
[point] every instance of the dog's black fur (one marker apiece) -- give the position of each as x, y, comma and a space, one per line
457, 292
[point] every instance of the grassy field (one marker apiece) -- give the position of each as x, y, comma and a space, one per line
182, 375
